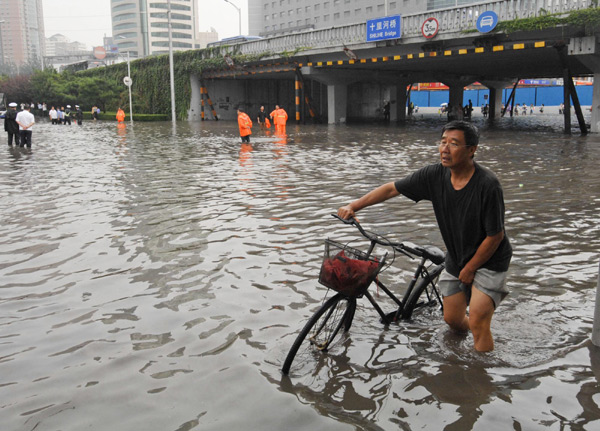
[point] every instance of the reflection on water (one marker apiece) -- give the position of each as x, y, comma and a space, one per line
153, 277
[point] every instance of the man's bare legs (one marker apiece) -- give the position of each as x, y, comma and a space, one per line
481, 310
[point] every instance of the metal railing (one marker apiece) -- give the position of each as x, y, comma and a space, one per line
451, 20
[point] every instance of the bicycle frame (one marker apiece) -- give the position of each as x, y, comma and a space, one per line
337, 312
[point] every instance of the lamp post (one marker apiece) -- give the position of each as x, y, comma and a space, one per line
171, 73
239, 16
128, 82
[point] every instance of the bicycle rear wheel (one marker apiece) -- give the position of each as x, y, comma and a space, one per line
429, 286
322, 328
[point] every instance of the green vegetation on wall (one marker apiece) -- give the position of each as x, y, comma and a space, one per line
151, 89
587, 19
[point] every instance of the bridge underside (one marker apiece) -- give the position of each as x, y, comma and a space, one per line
495, 61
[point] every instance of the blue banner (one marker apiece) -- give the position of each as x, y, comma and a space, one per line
384, 28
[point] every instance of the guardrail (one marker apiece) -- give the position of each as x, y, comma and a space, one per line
450, 20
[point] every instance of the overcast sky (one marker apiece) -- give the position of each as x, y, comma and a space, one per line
87, 21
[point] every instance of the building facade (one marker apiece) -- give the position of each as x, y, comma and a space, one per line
277, 17
22, 39
59, 44
141, 28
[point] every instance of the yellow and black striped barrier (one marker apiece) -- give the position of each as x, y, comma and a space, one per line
250, 70
420, 55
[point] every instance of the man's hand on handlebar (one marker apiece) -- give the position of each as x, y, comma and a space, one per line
346, 212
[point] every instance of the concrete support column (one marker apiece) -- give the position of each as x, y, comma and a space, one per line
337, 100
401, 99
495, 102
456, 100
595, 121
194, 113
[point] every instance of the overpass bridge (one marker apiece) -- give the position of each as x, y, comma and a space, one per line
346, 76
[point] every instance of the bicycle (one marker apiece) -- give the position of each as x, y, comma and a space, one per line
350, 272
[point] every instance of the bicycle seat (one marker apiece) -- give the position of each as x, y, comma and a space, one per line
433, 253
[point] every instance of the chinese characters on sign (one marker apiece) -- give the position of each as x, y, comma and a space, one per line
383, 28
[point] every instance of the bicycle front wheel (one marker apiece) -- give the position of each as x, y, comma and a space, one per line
427, 285
322, 328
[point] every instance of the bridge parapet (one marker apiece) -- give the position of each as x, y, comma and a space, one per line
451, 20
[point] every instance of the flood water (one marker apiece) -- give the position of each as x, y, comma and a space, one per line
153, 278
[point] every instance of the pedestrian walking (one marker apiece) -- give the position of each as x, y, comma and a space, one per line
261, 118
26, 120
245, 124
53, 114
67, 115
468, 203
120, 115
79, 115
282, 117
11, 126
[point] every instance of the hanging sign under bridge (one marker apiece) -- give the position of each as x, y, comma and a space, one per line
384, 28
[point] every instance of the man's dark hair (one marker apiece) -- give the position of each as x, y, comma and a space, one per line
470, 131
241, 110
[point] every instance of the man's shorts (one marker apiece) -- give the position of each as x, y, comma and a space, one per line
492, 283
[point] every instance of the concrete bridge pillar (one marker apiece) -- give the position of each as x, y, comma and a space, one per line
496, 88
194, 113
337, 100
455, 99
398, 99
495, 102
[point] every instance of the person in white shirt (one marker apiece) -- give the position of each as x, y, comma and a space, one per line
25, 120
53, 116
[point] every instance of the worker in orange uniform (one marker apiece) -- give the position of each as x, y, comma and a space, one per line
245, 124
273, 116
120, 115
282, 117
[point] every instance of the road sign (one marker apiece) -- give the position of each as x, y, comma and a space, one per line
127, 81
430, 28
487, 21
99, 52
384, 28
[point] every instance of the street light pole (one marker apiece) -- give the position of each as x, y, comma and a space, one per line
129, 83
129, 86
239, 16
173, 118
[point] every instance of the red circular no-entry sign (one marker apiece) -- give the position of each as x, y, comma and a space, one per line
99, 52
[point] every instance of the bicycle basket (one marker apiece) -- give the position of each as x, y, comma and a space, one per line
348, 270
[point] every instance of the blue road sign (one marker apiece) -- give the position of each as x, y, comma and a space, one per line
384, 28
487, 21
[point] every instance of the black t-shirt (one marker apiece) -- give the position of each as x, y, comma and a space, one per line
465, 217
261, 116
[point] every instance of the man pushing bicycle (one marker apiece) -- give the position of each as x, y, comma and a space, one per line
468, 203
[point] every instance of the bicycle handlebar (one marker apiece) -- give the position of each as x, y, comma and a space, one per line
431, 253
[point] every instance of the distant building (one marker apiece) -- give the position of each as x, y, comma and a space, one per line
21, 32
277, 17
140, 27
61, 45
206, 37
